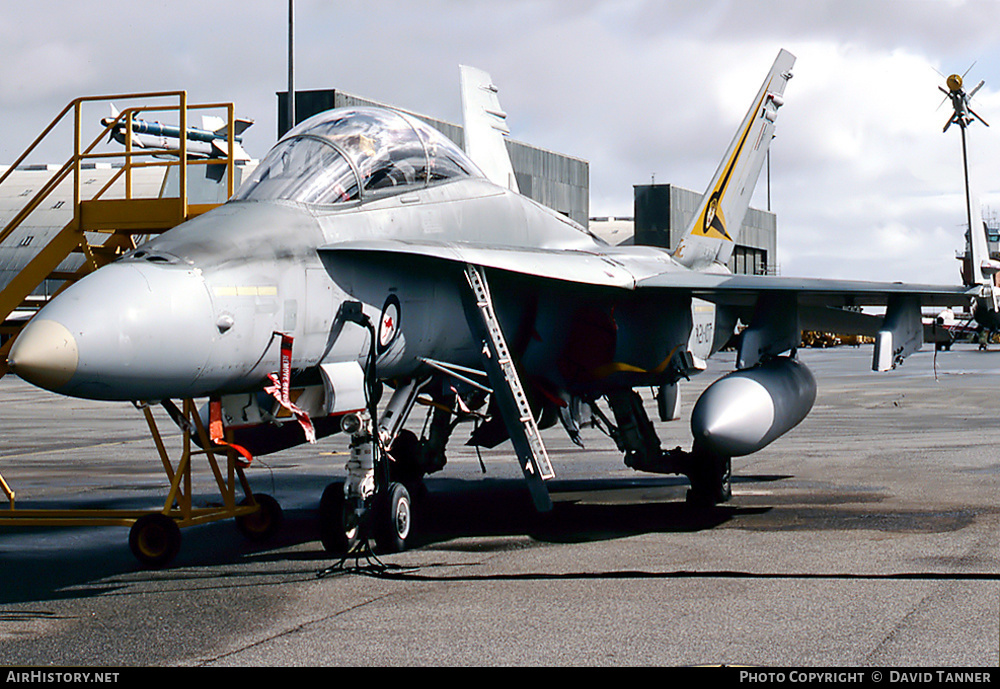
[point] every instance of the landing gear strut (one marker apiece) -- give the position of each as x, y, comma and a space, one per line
709, 473
367, 505
346, 508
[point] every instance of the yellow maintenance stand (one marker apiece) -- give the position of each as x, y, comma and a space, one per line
105, 224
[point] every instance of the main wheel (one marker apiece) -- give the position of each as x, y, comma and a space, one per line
711, 481
338, 530
262, 524
155, 539
404, 464
393, 519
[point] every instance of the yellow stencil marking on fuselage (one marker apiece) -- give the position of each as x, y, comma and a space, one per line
618, 367
245, 291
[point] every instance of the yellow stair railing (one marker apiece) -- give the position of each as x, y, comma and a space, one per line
103, 227
117, 220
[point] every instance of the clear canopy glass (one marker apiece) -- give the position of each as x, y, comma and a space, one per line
355, 153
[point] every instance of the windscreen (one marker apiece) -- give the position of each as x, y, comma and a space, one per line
355, 153
302, 169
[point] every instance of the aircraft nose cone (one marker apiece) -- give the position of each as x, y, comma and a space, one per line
129, 331
45, 354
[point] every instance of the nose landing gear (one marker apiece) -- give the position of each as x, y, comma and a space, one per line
367, 505
392, 517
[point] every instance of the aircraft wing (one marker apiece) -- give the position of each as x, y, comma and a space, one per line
649, 272
777, 309
743, 290
576, 266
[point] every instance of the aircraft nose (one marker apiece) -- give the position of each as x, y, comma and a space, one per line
129, 331
45, 354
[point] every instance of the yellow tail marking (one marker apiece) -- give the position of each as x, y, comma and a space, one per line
713, 223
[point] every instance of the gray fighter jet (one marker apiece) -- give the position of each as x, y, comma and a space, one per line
368, 253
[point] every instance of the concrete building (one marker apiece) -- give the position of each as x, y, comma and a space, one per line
662, 213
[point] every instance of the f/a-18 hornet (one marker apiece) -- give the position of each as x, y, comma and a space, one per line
368, 253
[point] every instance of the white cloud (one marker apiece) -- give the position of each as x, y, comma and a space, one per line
44, 70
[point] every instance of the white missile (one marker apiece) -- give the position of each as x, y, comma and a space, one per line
748, 409
209, 142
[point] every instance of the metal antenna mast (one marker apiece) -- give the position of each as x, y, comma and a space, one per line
963, 117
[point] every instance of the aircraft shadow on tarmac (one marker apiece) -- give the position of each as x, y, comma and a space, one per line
457, 515
51, 563
584, 510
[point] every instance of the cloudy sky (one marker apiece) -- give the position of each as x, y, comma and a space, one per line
863, 180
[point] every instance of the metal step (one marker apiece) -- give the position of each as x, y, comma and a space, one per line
510, 396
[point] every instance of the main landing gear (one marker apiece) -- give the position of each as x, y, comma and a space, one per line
709, 473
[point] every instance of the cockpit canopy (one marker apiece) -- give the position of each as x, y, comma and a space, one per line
352, 154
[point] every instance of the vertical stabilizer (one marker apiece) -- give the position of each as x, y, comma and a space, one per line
713, 230
485, 127
983, 267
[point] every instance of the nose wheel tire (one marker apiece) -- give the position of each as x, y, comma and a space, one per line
261, 524
393, 519
338, 528
155, 540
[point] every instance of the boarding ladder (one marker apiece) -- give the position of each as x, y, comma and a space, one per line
510, 396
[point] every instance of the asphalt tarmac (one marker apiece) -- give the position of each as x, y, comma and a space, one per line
867, 537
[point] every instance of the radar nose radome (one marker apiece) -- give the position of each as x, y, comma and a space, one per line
129, 331
45, 354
